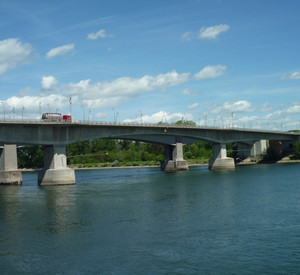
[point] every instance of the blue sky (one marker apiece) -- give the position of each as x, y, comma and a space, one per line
216, 62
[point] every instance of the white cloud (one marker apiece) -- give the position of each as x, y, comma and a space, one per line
96, 35
293, 76
186, 36
236, 107
48, 82
186, 92
212, 32
13, 53
193, 106
160, 116
123, 88
62, 50
294, 109
211, 72
29, 106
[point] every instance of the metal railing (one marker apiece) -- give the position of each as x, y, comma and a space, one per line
135, 124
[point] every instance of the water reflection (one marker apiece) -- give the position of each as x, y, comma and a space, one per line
138, 221
60, 209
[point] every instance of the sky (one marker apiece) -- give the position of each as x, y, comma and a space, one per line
220, 63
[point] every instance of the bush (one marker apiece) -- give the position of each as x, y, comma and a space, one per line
115, 163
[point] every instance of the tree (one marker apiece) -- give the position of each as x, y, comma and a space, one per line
30, 156
185, 122
297, 150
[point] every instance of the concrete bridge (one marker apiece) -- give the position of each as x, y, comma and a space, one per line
56, 135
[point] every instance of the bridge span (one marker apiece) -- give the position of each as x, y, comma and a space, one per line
56, 135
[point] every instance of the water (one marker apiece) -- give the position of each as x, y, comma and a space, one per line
144, 221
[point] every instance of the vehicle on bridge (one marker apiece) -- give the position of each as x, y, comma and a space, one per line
56, 117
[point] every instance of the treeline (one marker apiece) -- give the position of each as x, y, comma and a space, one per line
113, 152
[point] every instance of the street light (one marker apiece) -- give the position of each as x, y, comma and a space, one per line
89, 117
114, 114
141, 117
23, 111
83, 112
40, 109
3, 110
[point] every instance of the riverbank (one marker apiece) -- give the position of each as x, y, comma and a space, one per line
88, 167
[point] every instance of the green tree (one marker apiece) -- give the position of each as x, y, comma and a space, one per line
185, 122
30, 156
297, 150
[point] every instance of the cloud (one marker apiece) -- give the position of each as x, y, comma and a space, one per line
160, 116
186, 36
193, 106
240, 106
294, 109
186, 92
48, 82
29, 106
13, 53
122, 89
212, 32
293, 76
62, 50
211, 72
96, 35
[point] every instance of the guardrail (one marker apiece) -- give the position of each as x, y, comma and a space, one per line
132, 124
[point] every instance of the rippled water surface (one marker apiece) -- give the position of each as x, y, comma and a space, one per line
144, 221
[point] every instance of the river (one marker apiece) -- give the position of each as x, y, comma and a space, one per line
144, 221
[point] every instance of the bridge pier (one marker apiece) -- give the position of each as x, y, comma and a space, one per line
174, 158
9, 173
252, 150
55, 170
219, 160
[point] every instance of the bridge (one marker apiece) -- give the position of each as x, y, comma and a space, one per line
54, 136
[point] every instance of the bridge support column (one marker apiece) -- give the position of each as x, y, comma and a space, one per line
259, 148
55, 171
174, 158
219, 160
9, 173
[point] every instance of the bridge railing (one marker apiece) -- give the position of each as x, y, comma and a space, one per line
135, 124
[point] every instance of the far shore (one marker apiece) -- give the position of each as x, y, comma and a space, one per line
284, 160
108, 167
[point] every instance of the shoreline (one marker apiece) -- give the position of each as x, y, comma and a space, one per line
283, 161
109, 167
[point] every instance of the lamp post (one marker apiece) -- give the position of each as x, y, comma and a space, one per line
83, 112
114, 115
22, 112
70, 101
141, 117
3, 110
89, 117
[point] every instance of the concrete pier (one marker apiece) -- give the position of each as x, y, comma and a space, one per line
9, 173
55, 170
252, 150
219, 160
174, 158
